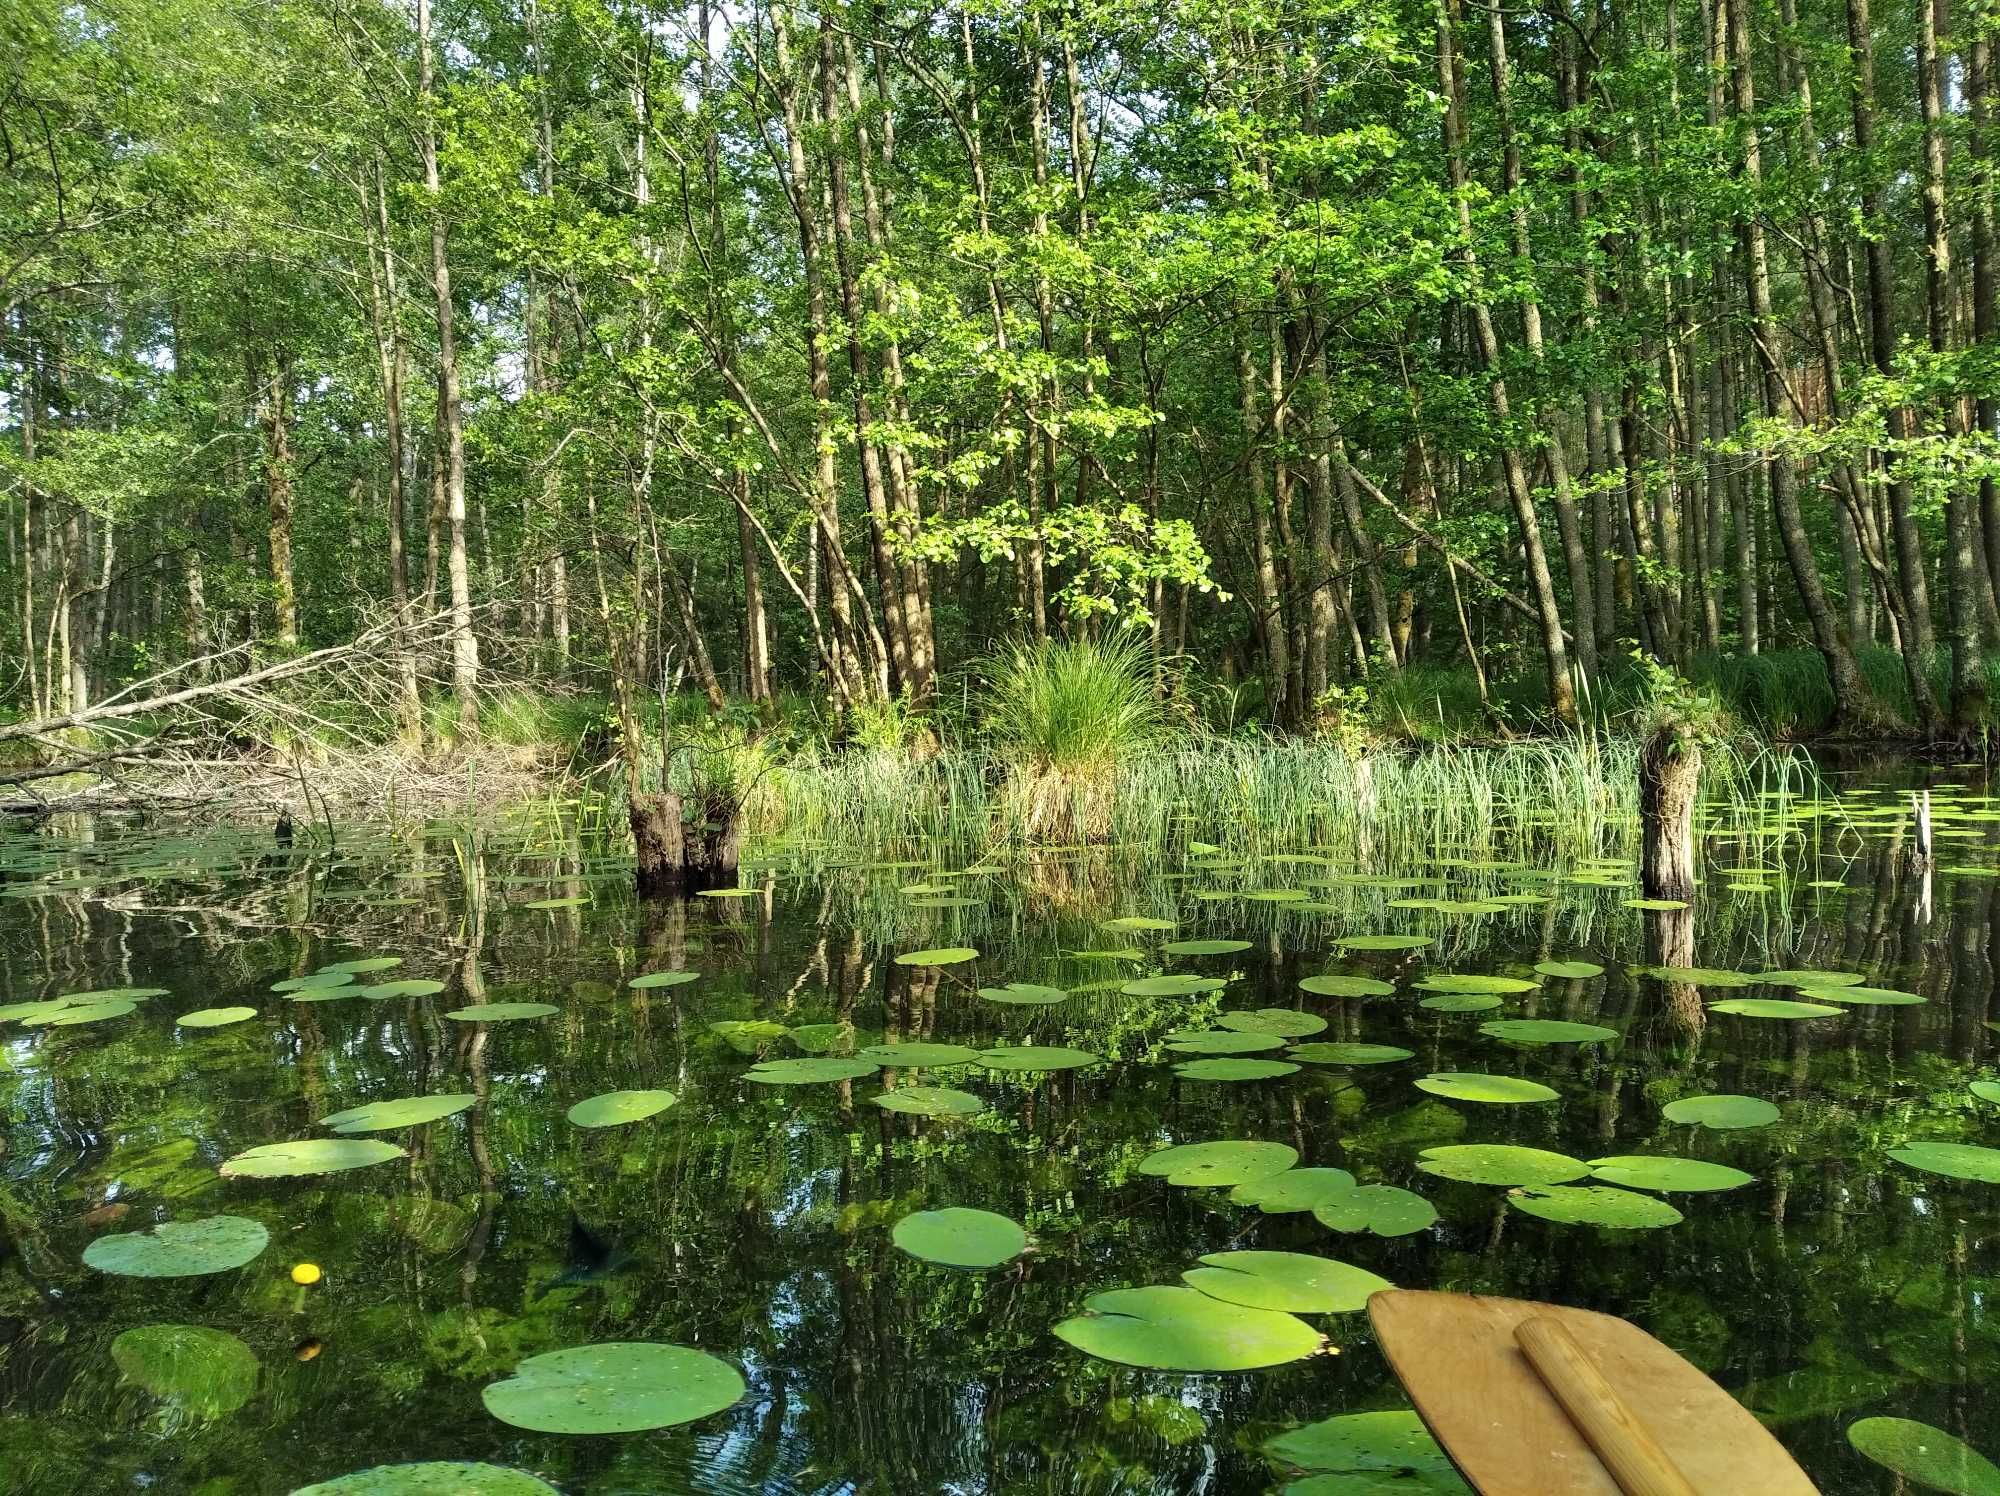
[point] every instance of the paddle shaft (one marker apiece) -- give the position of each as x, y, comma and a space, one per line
1632, 1455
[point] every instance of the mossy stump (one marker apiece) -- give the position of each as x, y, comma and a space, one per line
1669, 780
675, 857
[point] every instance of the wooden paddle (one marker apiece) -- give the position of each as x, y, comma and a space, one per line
1540, 1400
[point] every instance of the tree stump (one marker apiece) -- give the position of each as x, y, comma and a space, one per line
658, 839
1669, 778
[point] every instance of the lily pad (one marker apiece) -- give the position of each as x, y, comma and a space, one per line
1572, 971
1295, 1282
1874, 997
947, 955
808, 1072
619, 1387
1476, 982
69, 1016
1721, 1112
314, 980
1392, 1443
213, 1017
910, 1054
1024, 994
930, 1101
1383, 1209
1654, 904
1501, 1163
1334, 984
1595, 1205
179, 1249
1700, 976
208, 1372
1928, 1456
1220, 1041
575, 901
1383, 942
1222, 1163
1172, 986
1336, 1052
1772, 1007
616, 1108
1287, 1023
1205, 947
1546, 1031
960, 1237
747, 1035
1460, 1002
1293, 1190
365, 964
502, 1012
401, 987
656, 979
1234, 1069
385, 1116
1986, 1090
1469, 1085
1138, 922
1036, 1057
308, 1156
1952, 1160
1794, 978
29, 1014
1671, 1176
432, 1478
1181, 1329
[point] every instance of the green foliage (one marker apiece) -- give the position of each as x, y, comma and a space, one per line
1077, 706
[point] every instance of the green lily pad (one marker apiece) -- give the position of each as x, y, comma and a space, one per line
1475, 982
365, 964
1392, 1443
1672, 1176
386, 1116
1181, 1329
313, 981
1036, 1057
1952, 1160
432, 1478
1573, 971
208, 1372
1876, 997
1700, 976
1205, 947
948, 955
1460, 1002
308, 1156
619, 1387
1721, 1112
502, 1012
823, 1038
1287, 1023
1383, 942
930, 1101
69, 1016
1986, 1090
1172, 986
1470, 1085
1653, 904
114, 995
960, 1237
808, 1072
1234, 1069
1220, 1041
1335, 984
1501, 1163
1795, 978
1024, 994
910, 1054
213, 1017
179, 1249
29, 1014
1927, 1456
401, 987
616, 1108
1138, 922
1293, 1190
656, 979
1222, 1163
1341, 1053
747, 1035
1546, 1031
1595, 1205
1383, 1209
1294, 1282
1772, 1007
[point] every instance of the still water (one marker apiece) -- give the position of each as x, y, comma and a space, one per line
753, 1221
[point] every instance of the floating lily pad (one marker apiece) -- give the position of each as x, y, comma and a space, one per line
747, 1035
1368, 1454
401, 987
1383, 1209
1024, 994
1205, 947
1700, 976
616, 1108
960, 1237
1181, 1329
1222, 1163
308, 1156
1654, 904
1572, 971
1772, 1007
1334, 984
1295, 1282
808, 1072
502, 1012
365, 964
1546, 1031
1952, 1160
1467, 1085
620, 1387
1721, 1112
1877, 997
1794, 978
1986, 1090
1172, 986
576, 901
1036, 1057
316, 980
725, 893
930, 1101
1293, 1190
1220, 1041
179, 1249
386, 1116
1457, 982
1673, 1176
208, 1372
114, 995
432, 1478
1383, 942
213, 1017
1233, 1069
1501, 1163
1336, 1052
947, 955
1287, 1023
29, 1014
655, 979
912, 1055
1595, 1205
71, 1015
1138, 922
823, 1038
1460, 1002
1928, 1456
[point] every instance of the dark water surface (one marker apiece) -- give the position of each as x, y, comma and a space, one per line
754, 1221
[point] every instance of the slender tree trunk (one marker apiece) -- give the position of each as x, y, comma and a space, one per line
392, 362
1984, 322
1272, 640
274, 416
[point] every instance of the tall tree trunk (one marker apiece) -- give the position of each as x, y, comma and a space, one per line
274, 417
1272, 639
1984, 322
392, 362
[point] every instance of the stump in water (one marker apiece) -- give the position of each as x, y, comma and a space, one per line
677, 858
1669, 776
